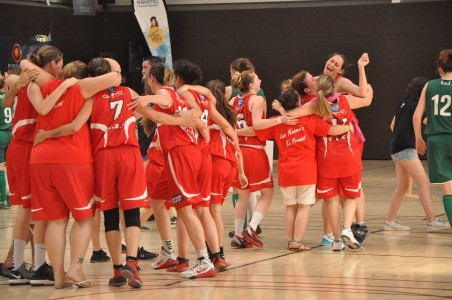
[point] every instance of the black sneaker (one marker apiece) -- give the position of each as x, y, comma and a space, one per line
360, 232
123, 248
143, 254
151, 218
99, 256
4, 271
173, 220
20, 276
144, 228
43, 276
258, 230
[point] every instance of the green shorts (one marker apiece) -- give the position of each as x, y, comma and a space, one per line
5, 138
439, 157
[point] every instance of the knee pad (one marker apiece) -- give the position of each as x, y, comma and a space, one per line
132, 217
111, 219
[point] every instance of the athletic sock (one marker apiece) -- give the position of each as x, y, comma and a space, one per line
447, 202
238, 226
40, 256
18, 253
202, 254
167, 246
256, 219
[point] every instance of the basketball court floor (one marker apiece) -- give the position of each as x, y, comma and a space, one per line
413, 264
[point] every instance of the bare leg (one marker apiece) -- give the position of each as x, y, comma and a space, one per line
193, 226
301, 221
215, 211
162, 220
96, 231
79, 239
56, 245
183, 241
332, 205
289, 220
210, 229
402, 179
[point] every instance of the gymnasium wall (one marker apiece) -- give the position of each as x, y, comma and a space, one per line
403, 41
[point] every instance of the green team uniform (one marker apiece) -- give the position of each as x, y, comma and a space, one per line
236, 92
6, 117
439, 130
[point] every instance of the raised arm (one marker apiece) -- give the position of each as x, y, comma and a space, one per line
358, 102
92, 85
42, 77
307, 109
16, 83
67, 129
417, 122
345, 85
44, 106
184, 118
258, 109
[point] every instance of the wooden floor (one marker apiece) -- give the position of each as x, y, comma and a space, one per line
390, 265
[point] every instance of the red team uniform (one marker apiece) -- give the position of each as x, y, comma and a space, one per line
118, 163
205, 173
255, 160
19, 150
296, 143
62, 168
182, 156
156, 173
339, 157
224, 158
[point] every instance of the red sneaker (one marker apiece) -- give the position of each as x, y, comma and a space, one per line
129, 271
250, 235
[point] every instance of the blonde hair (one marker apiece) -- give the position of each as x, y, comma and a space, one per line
242, 80
76, 68
325, 88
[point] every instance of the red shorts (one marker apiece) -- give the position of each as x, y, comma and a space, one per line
120, 179
62, 188
205, 175
18, 166
222, 176
182, 168
157, 183
257, 170
349, 187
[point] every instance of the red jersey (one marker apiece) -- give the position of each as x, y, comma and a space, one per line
221, 145
23, 125
245, 119
74, 148
155, 155
171, 136
112, 123
339, 156
204, 106
296, 144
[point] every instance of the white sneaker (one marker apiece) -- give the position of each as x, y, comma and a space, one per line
394, 225
164, 261
437, 225
338, 246
203, 268
347, 236
327, 240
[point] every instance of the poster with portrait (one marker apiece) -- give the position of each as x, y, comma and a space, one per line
153, 21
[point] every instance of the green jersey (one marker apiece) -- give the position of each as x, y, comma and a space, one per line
6, 114
439, 107
236, 92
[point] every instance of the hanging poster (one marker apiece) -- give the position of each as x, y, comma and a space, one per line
153, 21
